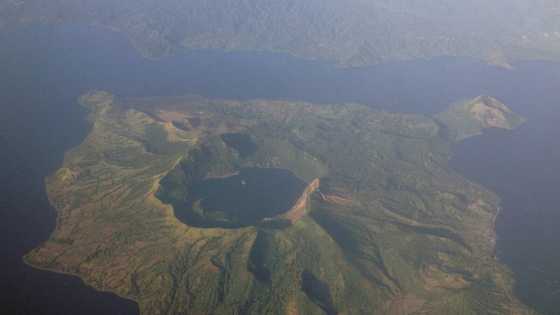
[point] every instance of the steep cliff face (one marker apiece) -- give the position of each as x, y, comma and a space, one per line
302, 205
382, 227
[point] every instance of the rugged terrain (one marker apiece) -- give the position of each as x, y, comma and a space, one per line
384, 226
469, 118
351, 32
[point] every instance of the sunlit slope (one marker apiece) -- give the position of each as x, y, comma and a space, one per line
384, 226
350, 32
469, 118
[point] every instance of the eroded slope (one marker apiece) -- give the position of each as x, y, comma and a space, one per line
384, 225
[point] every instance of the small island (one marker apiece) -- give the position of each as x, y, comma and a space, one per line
364, 214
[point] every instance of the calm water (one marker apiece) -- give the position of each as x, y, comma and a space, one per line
523, 167
44, 69
245, 198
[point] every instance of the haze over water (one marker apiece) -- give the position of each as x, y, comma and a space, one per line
45, 69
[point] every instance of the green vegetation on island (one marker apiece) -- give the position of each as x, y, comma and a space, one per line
384, 226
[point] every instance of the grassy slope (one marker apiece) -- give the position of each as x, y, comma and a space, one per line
391, 230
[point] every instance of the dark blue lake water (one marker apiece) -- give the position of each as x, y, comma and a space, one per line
44, 69
243, 199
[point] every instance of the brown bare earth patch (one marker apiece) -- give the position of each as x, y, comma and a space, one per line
434, 278
337, 200
171, 116
491, 117
291, 307
298, 210
405, 304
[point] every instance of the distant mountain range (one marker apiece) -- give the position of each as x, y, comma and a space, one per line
349, 32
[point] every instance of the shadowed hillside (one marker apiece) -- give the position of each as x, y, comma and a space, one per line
388, 228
